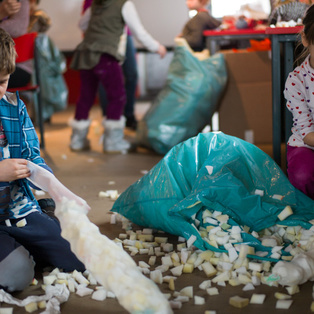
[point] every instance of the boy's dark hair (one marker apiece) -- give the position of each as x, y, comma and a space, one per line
7, 53
308, 22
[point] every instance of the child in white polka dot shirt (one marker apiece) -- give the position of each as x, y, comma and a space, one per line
299, 93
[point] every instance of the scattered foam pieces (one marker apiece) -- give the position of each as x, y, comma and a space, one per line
239, 302
257, 298
113, 219
259, 192
34, 282
191, 240
21, 223
6, 310
282, 296
199, 300
210, 169
83, 291
286, 212
99, 295
31, 307
187, 291
112, 194
212, 291
277, 197
283, 304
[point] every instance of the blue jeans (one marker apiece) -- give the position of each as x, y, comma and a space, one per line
38, 242
129, 68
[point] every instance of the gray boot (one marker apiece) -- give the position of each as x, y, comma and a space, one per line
79, 141
114, 141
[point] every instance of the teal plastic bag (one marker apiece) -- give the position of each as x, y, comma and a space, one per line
52, 63
217, 172
186, 103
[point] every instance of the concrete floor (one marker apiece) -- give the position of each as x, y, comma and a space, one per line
88, 173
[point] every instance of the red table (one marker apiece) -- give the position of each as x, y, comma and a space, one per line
214, 37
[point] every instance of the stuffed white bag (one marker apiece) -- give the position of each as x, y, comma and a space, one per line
109, 264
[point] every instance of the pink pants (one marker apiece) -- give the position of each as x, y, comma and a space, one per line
301, 169
109, 73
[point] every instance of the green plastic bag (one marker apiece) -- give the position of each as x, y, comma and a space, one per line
186, 103
54, 91
217, 172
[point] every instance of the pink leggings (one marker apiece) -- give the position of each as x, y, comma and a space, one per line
109, 73
301, 169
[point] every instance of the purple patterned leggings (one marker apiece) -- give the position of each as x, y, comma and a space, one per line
109, 73
301, 169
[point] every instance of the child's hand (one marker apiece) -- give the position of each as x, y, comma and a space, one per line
162, 51
10, 7
13, 169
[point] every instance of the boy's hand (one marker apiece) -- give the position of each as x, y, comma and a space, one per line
13, 169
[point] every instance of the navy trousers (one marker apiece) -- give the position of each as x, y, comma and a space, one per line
38, 242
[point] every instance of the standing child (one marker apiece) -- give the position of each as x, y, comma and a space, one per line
98, 58
193, 29
129, 68
39, 20
38, 239
299, 93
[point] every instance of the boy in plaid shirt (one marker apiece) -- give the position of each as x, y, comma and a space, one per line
39, 241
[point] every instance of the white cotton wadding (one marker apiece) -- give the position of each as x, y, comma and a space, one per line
46, 181
296, 272
111, 266
55, 295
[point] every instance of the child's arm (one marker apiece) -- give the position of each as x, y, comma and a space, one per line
213, 23
309, 139
133, 21
84, 20
30, 143
297, 103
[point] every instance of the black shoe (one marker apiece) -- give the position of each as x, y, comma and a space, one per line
47, 206
131, 123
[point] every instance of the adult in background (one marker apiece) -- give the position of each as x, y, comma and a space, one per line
8, 8
16, 25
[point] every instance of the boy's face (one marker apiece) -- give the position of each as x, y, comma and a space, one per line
194, 4
4, 80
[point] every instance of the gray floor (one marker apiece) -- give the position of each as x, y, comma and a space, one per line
88, 173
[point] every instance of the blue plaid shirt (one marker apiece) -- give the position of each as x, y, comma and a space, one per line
23, 143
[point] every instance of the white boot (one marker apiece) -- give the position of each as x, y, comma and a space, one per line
114, 141
79, 141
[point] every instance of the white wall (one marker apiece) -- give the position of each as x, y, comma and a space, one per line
164, 19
